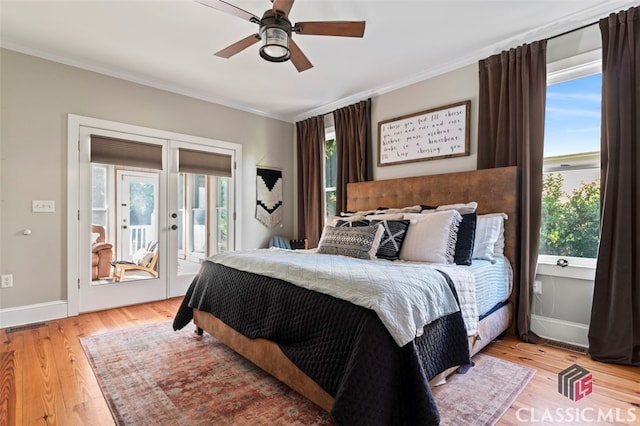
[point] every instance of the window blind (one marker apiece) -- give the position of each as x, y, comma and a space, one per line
123, 152
204, 163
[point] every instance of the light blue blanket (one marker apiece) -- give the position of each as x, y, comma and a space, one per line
406, 296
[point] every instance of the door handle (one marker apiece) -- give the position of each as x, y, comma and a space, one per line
174, 227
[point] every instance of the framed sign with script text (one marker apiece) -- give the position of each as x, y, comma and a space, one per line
441, 132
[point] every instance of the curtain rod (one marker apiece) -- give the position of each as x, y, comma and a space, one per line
573, 30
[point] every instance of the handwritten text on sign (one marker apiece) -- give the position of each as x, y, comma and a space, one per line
437, 133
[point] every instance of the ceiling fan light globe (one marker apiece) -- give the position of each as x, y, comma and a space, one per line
275, 44
275, 51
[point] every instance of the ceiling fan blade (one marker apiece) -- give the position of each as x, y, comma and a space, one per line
282, 6
223, 6
300, 61
238, 46
331, 28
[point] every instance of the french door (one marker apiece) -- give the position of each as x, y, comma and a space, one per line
106, 153
201, 213
186, 207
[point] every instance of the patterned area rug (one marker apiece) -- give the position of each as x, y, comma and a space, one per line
151, 375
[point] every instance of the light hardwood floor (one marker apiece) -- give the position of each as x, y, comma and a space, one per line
46, 378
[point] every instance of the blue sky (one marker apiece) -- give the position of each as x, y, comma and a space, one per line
573, 116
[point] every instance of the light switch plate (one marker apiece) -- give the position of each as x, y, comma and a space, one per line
7, 281
43, 206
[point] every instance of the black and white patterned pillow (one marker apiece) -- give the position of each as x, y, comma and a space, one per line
392, 239
359, 241
352, 223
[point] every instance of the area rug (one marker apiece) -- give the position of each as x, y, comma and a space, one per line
483, 394
151, 375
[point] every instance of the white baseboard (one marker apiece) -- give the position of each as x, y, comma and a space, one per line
562, 331
21, 315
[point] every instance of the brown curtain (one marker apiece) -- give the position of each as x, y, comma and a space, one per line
614, 333
353, 139
310, 140
512, 97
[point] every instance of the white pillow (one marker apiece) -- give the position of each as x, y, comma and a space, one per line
385, 216
431, 237
142, 257
489, 236
409, 209
498, 247
465, 208
358, 213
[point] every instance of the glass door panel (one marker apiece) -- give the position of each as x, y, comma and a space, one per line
137, 201
201, 220
206, 226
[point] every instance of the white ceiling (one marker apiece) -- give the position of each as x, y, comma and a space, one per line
169, 44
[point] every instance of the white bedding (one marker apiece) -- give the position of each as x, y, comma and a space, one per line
405, 295
494, 282
465, 283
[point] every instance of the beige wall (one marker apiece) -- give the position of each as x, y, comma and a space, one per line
37, 95
455, 86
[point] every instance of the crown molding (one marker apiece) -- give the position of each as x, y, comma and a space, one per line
156, 84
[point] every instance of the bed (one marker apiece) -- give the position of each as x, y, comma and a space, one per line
376, 380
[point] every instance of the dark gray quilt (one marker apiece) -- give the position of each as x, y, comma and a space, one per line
343, 347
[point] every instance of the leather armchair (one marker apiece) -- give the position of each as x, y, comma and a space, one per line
101, 254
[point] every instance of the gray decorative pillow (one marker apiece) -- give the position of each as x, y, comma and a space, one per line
361, 242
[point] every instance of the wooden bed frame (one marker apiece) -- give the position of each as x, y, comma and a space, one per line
495, 190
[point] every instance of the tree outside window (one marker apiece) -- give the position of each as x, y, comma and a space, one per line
570, 222
330, 177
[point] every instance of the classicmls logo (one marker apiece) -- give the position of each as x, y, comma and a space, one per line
575, 382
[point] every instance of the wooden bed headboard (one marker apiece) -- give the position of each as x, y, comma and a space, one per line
495, 191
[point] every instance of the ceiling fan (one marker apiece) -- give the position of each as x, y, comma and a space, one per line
276, 29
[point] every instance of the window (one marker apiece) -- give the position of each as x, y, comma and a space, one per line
99, 212
571, 174
221, 211
198, 217
142, 209
330, 172
206, 201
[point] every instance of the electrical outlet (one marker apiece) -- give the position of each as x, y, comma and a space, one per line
537, 287
7, 281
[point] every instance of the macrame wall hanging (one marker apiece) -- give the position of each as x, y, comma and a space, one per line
269, 196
